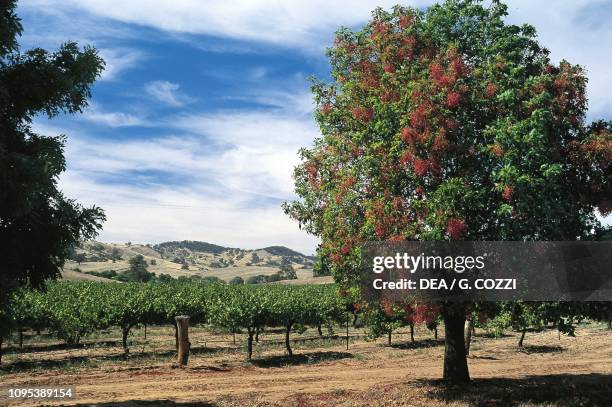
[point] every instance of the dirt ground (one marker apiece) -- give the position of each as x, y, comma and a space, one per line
547, 371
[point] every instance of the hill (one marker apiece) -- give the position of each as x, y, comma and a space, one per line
187, 258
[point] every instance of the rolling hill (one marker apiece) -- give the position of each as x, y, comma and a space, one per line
187, 258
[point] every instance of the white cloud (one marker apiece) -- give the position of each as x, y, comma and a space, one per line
118, 60
49, 27
287, 23
95, 114
577, 31
168, 93
217, 177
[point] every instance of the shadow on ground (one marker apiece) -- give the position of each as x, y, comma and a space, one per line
70, 361
149, 403
591, 389
301, 359
59, 346
425, 343
541, 349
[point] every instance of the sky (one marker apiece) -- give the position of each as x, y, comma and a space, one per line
193, 129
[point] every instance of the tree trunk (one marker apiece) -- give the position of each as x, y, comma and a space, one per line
287, 344
354, 319
20, 338
250, 342
436, 332
389, 337
469, 330
412, 333
145, 331
257, 330
183, 339
319, 330
176, 341
455, 361
520, 343
125, 331
610, 324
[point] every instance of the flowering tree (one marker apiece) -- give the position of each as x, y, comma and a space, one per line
448, 124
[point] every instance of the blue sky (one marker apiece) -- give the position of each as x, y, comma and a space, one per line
193, 129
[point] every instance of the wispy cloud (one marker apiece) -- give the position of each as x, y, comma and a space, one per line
302, 23
95, 114
217, 168
218, 176
576, 31
168, 93
118, 60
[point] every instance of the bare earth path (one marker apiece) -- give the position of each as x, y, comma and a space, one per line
369, 373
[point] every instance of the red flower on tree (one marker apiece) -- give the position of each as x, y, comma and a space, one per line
405, 21
496, 150
507, 193
363, 114
455, 228
453, 99
490, 90
420, 167
326, 109
409, 136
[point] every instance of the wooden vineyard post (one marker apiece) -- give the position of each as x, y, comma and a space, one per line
347, 331
182, 323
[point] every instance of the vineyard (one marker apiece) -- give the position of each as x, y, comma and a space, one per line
287, 344
72, 310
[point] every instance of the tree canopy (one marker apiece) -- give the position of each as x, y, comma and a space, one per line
449, 124
38, 224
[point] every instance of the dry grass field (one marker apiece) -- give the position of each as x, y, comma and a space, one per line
547, 371
226, 264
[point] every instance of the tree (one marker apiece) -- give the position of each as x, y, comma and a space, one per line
449, 124
38, 224
137, 271
115, 254
185, 266
286, 270
164, 278
236, 281
79, 258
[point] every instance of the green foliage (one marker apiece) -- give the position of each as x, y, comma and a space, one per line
137, 271
79, 257
38, 224
321, 265
447, 123
115, 254
111, 274
191, 245
236, 281
286, 270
